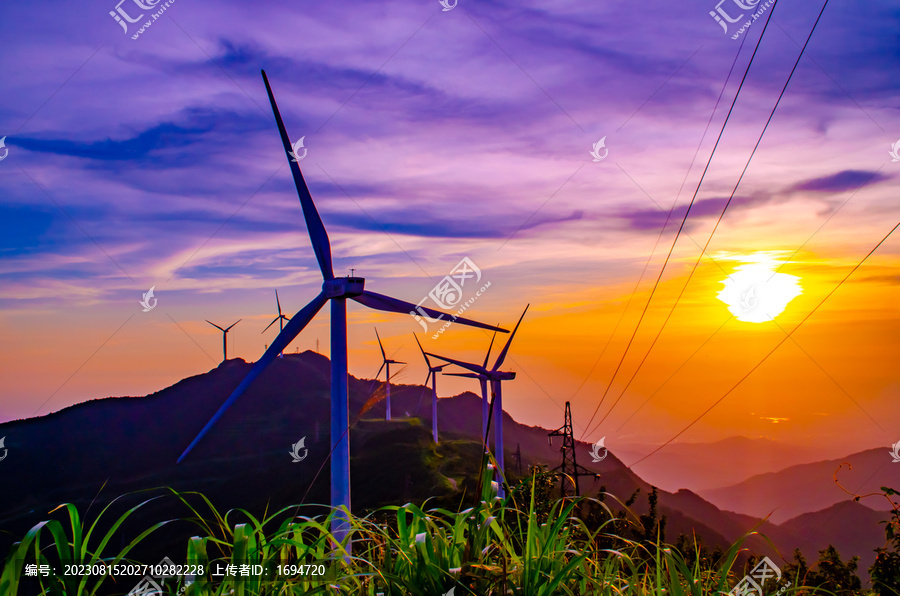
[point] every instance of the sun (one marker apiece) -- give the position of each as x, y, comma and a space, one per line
756, 292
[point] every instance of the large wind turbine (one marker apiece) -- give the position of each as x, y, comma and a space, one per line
496, 377
432, 376
224, 337
280, 319
337, 290
386, 364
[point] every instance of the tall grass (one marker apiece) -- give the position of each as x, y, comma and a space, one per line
515, 546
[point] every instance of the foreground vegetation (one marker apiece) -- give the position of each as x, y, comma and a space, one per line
527, 544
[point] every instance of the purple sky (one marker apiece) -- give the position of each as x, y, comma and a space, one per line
431, 135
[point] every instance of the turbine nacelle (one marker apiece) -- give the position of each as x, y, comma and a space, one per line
344, 287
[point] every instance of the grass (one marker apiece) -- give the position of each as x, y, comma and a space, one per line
523, 545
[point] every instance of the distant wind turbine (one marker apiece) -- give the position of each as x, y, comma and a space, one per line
496, 377
386, 364
432, 376
280, 319
337, 290
482, 380
224, 337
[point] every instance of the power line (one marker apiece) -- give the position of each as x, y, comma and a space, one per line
778, 345
721, 215
690, 205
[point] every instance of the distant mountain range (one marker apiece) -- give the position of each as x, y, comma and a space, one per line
805, 488
703, 466
92, 452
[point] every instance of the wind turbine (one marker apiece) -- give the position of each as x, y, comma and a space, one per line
386, 364
337, 290
432, 376
496, 377
224, 337
280, 319
482, 380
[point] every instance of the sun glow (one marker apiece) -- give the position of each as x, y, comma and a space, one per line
756, 292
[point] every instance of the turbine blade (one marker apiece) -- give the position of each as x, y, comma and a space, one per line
467, 375
386, 303
314, 225
270, 324
278, 302
379, 371
488, 355
424, 355
466, 365
502, 355
383, 355
233, 324
287, 335
213, 324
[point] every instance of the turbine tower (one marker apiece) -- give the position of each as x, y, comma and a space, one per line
482, 380
432, 376
224, 337
386, 364
336, 290
496, 377
280, 319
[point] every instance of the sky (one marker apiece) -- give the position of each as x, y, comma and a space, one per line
150, 158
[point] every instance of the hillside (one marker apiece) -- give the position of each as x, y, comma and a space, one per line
95, 451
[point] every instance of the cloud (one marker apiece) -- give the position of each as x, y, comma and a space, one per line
842, 181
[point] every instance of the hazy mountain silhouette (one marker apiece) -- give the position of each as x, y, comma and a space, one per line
810, 487
92, 452
704, 466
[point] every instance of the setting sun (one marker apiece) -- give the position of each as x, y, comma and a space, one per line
756, 292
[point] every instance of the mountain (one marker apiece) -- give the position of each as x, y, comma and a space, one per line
91, 453
810, 487
703, 466
857, 532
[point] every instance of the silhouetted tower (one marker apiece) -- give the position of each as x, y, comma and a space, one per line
568, 470
518, 456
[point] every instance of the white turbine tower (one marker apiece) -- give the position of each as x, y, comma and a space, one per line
482, 380
496, 377
336, 290
432, 376
280, 319
386, 364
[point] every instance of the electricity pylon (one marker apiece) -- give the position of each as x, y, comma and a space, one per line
568, 470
